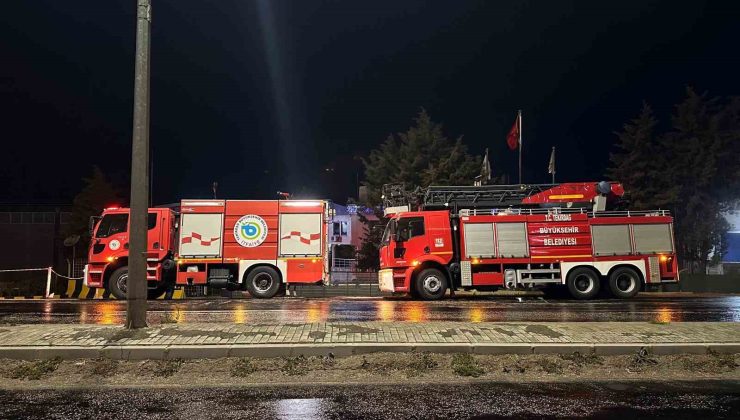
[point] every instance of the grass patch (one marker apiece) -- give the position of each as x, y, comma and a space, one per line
295, 366
551, 366
583, 359
242, 367
421, 365
713, 363
642, 360
103, 367
36, 369
166, 368
464, 364
517, 368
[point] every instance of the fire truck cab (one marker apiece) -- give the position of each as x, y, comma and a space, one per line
557, 236
107, 265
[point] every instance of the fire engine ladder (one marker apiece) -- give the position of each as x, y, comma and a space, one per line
489, 197
484, 196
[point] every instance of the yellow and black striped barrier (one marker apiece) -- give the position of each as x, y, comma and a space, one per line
76, 289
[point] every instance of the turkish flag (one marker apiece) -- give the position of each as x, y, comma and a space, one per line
512, 139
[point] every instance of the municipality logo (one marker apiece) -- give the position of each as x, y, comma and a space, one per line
250, 230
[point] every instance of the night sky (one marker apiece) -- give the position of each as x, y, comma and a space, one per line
265, 95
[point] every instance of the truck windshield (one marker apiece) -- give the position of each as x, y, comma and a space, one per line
387, 233
112, 224
410, 227
117, 223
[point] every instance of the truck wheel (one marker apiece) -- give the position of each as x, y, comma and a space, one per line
583, 283
118, 282
431, 284
263, 282
624, 282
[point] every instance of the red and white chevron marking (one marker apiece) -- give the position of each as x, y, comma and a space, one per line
306, 239
199, 238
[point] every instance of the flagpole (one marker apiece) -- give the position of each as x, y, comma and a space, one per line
553, 164
520, 146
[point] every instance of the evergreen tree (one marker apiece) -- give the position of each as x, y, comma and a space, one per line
419, 157
640, 165
694, 147
97, 194
693, 170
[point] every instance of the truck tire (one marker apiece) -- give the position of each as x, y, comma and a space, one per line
430, 284
118, 282
263, 282
118, 285
624, 282
583, 283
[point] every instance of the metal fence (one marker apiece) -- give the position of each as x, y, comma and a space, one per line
344, 264
76, 267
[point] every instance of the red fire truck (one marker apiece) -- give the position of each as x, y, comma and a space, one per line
522, 236
259, 246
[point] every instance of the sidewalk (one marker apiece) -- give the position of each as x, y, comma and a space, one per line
213, 340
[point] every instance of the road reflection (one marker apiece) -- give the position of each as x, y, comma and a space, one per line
725, 309
109, 313
667, 314
415, 312
300, 408
240, 313
476, 314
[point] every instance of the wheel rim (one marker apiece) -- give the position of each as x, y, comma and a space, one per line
584, 283
122, 282
262, 282
626, 283
432, 284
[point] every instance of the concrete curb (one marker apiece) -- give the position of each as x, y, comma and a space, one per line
340, 350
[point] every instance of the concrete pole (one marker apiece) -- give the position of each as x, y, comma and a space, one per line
136, 284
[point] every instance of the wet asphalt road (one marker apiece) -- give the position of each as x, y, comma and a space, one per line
593, 400
647, 308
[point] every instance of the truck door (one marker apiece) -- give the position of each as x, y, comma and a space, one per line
155, 224
411, 241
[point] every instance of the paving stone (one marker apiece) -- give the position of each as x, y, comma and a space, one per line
605, 337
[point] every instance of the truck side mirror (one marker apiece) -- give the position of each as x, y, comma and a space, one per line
91, 224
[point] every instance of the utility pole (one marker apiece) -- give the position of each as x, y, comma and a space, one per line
136, 287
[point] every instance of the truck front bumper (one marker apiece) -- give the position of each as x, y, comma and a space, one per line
385, 280
93, 275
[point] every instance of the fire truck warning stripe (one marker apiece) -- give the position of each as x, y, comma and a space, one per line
306, 240
199, 238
